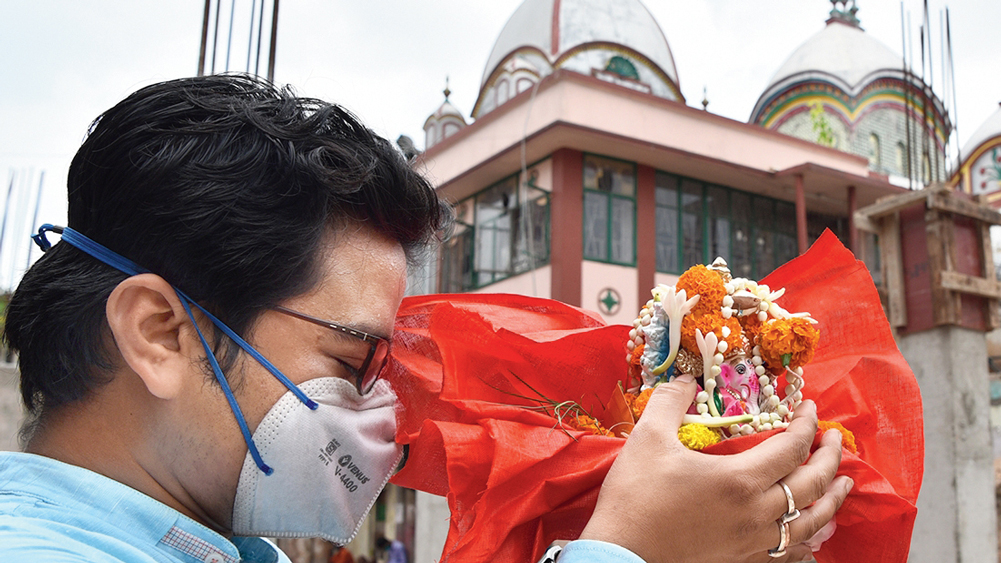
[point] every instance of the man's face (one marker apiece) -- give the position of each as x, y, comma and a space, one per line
363, 281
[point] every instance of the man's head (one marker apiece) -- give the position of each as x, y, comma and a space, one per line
227, 188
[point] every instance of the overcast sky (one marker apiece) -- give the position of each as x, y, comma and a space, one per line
64, 62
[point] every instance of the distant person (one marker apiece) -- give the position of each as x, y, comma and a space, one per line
341, 555
395, 551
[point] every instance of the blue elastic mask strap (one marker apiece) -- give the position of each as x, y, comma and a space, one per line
244, 429
129, 267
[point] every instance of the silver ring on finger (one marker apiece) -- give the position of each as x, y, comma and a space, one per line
783, 540
792, 513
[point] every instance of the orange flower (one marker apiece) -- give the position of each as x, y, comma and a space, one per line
847, 440
586, 423
751, 326
710, 323
635, 371
788, 342
639, 403
707, 284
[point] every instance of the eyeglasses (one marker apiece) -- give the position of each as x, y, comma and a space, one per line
378, 353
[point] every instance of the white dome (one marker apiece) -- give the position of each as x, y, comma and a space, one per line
842, 53
988, 130
543, 35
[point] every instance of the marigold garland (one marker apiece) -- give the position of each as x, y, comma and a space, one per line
587, 423
700, 280
638, 403
788, 342
710, 322
751, 326
847, 438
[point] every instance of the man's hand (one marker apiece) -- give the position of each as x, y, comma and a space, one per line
667, 503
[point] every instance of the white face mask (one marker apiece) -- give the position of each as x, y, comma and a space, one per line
330, 464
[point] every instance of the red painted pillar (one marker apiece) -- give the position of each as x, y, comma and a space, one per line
852, 231
801, 214
646, 231
566, 227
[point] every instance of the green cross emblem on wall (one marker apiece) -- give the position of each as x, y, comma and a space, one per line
609, 301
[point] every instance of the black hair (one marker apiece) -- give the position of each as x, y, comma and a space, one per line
225, 187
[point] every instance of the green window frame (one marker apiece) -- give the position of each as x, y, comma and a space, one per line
609, 210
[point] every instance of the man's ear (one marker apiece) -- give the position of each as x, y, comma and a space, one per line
147, 319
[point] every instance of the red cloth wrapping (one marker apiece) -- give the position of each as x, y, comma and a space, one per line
466, 366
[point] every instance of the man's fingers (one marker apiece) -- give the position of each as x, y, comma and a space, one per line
793, 553
809, 482
667, 406
815, 517
787, 450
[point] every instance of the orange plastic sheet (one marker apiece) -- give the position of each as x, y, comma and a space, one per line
471, 371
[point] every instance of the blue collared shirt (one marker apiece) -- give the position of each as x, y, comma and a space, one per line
54, 512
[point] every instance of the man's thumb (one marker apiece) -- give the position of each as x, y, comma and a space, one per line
669, 403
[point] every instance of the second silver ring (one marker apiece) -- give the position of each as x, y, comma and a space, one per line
792, 512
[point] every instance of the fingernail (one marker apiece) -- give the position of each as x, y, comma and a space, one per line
849, 485
685, 378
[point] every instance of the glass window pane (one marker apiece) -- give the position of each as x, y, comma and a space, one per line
692, 224
533, 222
718, 201
608, 175
457, 260
666, 190
496, 220
785, 248
667, 239
740, 260
623, 230
785, 217
595, 226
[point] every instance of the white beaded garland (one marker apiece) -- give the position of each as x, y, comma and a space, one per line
768, 390
765, 427
760, 370
764, 380
762, 316
722, 346
702, 397
702, 408
725, 331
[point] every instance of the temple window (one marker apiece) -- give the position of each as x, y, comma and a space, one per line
496, 235
874, 157
753, 234
609, 210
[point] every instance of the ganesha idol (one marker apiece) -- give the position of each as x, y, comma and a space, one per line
734, 338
